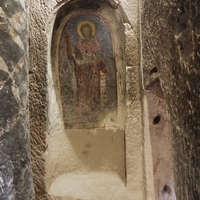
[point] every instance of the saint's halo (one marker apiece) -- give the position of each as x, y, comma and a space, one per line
84, 23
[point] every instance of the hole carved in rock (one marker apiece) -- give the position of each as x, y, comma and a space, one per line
166, 189
156, 119
153, 70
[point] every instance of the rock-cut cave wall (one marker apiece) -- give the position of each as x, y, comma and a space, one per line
171, 42
15, 169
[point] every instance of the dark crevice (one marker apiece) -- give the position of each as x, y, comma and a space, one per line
156, 119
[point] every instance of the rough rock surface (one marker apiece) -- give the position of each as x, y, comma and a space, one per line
171, 42
38, 92
161, 142
15, 171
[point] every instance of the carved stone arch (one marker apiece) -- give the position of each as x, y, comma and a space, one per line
96, 144
112, 3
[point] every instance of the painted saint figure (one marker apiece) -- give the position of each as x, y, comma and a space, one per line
89, 70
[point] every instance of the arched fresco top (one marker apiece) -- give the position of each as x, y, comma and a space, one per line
104, 55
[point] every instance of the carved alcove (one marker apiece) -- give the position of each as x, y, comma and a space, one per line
86, 105
87, 73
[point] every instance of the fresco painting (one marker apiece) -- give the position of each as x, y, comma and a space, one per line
87, 72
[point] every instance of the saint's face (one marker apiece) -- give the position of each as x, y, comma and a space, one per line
86, 31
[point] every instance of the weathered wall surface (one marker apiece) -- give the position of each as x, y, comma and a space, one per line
15, 171
171, 43
39, 12
161, 141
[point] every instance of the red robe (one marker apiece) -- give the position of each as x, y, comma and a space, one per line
89, 63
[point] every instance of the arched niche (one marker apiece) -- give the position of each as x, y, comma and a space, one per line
86, 90
89, 98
